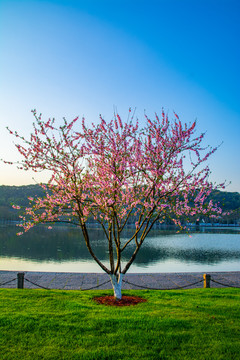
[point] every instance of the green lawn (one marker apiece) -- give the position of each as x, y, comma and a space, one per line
182, 324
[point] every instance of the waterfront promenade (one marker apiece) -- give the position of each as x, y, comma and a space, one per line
85, 281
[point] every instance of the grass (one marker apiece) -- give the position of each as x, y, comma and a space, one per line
191, 324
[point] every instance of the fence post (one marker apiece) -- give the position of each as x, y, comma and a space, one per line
207, 279
20, 277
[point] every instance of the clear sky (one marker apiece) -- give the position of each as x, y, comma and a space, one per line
68, 58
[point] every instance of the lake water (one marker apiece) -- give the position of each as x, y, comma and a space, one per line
62, 249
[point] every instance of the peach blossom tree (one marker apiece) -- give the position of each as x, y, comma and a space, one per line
114, 172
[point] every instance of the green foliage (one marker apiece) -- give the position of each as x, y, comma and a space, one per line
190, 324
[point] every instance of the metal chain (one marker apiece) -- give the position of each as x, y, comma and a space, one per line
94, 287
175, 288
37, 284
7, 282
217, 282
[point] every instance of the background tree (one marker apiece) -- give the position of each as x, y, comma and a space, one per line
114, 171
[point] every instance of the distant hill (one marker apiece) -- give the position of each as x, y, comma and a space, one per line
18, 195
227, 200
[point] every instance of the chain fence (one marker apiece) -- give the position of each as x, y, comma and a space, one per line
206, 280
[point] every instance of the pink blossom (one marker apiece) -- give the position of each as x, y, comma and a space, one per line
16, 207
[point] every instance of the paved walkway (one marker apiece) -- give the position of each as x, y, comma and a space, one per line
81, 281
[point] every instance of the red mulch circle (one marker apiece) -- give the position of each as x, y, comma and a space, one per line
125, 301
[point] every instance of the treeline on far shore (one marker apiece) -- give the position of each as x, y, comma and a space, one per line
18, 195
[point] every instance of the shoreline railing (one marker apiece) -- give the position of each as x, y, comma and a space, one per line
207, 279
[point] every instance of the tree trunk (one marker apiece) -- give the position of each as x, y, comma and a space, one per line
116, 281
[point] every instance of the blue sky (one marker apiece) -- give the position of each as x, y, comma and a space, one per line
68, 58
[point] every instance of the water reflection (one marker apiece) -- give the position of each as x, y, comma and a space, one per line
64, 244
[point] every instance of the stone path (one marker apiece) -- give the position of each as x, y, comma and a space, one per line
81, 281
